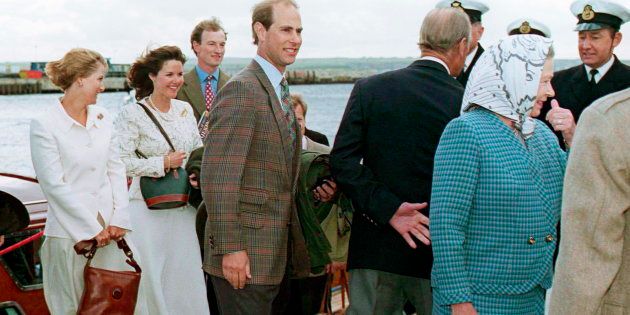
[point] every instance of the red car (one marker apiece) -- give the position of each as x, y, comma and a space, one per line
21, 289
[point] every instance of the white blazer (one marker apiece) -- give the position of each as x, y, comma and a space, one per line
80, 172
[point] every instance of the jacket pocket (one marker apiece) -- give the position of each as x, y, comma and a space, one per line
251, 203
257, 197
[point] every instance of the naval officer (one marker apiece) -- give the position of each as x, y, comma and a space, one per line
525, 26
600, 74
474, 10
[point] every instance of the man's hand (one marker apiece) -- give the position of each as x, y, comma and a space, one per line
335, 266
561, 119
116, 233
409, 221
325, 192
192, 178
463, 309
236, 269
1, 240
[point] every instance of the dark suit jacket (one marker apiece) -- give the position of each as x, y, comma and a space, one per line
191, 93
248, 181
463, 77
575, 93
316, 136
393, 123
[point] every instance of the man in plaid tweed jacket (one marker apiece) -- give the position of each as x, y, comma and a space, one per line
249, 173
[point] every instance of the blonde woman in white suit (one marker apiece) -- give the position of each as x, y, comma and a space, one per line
82, 177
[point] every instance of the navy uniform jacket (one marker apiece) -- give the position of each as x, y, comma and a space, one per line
573, 91
463, 77
393, 123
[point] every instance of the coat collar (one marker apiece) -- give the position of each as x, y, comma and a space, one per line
191, 89
94, 117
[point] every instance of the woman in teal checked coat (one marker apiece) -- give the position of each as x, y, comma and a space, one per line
497, 187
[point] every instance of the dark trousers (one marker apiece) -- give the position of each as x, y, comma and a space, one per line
253, 299
379, 292
300, 296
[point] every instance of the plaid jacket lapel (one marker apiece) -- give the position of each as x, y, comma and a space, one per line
278, 113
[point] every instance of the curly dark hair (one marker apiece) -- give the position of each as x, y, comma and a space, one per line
150, 63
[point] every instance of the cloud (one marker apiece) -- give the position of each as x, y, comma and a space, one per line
44, 30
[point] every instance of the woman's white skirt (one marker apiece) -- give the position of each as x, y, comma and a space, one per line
172, 274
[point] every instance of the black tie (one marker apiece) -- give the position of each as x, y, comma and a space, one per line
593, 72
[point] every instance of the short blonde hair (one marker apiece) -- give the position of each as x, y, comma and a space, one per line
77, 63
443, 28
298, 100
263, 13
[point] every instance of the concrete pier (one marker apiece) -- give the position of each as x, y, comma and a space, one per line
9, 86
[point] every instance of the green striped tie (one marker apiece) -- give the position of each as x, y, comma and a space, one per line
289, 116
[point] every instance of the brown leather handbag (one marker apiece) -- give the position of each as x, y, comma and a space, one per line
108, 291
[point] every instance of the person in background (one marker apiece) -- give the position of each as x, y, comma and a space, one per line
525, 26
80, 173
497, 187
306, 293
600, 73
300, 107
203, 82
593, 269
201, 85
383, 160
474, 10
166, 239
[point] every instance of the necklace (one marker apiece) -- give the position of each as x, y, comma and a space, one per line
150, 102
166, 116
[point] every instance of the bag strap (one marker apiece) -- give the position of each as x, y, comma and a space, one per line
88, 249
324, 306
157, 123
343, 278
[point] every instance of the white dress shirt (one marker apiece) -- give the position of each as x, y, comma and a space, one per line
601, 71
469, 58
80, 173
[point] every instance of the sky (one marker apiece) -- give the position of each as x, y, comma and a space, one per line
43, 30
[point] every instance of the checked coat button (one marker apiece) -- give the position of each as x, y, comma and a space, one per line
531, 240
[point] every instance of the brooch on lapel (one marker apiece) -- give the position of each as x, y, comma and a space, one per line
184, 113
100, 116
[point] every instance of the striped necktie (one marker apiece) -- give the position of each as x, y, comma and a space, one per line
209, 95
288, 111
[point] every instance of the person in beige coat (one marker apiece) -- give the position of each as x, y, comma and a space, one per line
593, 268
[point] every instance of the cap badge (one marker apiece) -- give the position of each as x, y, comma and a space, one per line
525, 28
457, 5
100, 116
588, 13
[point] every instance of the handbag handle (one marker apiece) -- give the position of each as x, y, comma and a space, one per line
157, 123
324, 306
88, 249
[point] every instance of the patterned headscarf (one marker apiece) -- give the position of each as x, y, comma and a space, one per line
506, 78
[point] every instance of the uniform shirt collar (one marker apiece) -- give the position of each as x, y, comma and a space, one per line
601, 70
469, 58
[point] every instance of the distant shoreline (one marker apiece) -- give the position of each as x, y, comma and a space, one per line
303, 72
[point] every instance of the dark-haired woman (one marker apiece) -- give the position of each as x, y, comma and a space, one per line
172, 279
81, 175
